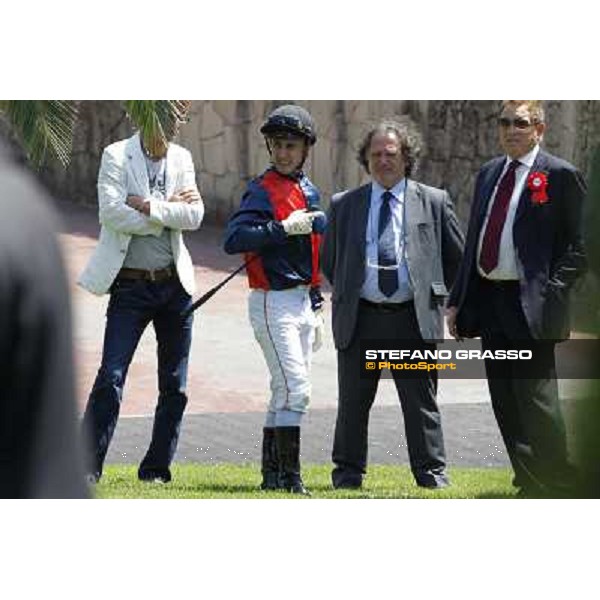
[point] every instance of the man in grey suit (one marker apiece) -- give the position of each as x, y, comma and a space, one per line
391, 251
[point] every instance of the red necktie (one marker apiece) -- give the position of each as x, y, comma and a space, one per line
490, 248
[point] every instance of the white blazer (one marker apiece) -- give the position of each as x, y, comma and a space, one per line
122, 173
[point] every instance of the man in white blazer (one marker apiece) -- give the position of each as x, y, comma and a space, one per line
147, 196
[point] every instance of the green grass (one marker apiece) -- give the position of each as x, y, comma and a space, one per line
241, 481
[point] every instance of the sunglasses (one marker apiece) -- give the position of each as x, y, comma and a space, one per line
518, 123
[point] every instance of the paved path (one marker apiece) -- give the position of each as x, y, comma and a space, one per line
235, 437
228, 381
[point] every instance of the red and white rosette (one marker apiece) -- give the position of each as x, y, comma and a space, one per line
537, 183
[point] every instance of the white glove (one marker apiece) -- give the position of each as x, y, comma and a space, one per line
319, 331
300, 222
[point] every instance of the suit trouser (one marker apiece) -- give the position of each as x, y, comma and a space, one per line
524, 393
356, 395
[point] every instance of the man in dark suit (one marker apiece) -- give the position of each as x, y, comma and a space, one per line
391, 251
523, 254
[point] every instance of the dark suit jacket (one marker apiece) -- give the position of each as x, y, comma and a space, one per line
548, 244
434, 244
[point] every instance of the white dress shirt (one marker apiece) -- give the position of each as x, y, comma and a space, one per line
370, 288
506, 268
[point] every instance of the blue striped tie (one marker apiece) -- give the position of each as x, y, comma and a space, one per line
386, 248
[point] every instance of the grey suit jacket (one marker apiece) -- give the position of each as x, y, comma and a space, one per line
434, 245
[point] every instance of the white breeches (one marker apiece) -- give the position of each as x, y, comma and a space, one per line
284, 324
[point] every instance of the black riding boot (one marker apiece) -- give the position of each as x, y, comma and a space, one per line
270, 463
288, 451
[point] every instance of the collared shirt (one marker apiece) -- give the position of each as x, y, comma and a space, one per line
507, 260
157, 177
370, 288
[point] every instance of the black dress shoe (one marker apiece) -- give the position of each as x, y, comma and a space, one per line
295, 485
343, 478
433, 481
346, 481
347, 485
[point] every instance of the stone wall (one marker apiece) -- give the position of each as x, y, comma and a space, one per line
228, 150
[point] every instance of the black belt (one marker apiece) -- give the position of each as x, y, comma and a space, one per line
500, 284
386, 307
156, 275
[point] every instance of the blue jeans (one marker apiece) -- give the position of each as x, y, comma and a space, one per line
132, 306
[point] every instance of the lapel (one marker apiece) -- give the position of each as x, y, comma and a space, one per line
539, 164
137, 164
361, 222
413, 212
171, 169
490, 178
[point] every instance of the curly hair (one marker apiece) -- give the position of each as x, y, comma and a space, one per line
408, 136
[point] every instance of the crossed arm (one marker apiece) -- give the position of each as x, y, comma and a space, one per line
133, 214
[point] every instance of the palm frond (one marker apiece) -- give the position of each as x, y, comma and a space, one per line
156, 117
43, 126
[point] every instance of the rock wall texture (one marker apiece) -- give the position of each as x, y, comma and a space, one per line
228, 150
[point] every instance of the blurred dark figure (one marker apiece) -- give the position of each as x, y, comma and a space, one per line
587, 411
39, 453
